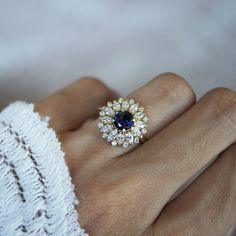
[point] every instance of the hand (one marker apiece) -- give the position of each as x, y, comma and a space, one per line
148, 190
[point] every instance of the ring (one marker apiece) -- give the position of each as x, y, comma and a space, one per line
123, 122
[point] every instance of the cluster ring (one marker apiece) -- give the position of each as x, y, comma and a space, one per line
123, 122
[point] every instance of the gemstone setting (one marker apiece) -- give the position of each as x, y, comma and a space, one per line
122, 122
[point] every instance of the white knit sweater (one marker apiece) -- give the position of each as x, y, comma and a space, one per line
36, 193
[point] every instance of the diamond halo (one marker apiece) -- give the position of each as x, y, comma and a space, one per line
122, 122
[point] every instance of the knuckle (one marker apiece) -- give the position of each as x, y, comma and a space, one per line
223, 102
96, 85
92, 81
177, 86
223, 97
223, 93
172, 79
170, 75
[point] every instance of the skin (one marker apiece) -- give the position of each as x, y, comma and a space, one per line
180, 182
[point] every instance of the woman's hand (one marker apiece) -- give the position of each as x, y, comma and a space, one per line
147, 190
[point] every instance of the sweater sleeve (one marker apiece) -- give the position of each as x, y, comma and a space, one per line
36, 193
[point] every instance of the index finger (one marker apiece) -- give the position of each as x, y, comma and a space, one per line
73, 105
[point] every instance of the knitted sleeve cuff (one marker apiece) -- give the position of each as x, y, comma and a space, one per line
37, 196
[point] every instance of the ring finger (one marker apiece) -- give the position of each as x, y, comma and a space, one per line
178, 154
164, 98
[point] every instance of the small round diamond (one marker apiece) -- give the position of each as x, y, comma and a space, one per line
140, 124
102, 113
116, 106
100, 125
110, 137
109, 104
114, 143
125, 105
136, 140
133, 108
145, 119
106, 119
123, 120
136, 131
114, 132
125, 144
131, 101
104, 135
109, 111
138, 115
141, 109
144, 131
120, 139
130, 138
106, 128
120, 100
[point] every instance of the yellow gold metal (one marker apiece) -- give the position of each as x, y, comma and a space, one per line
142, 140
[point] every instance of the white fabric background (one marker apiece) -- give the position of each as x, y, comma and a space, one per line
46, 44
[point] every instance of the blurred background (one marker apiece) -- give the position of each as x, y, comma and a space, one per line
44, 45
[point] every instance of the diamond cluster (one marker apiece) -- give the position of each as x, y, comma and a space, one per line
124, 112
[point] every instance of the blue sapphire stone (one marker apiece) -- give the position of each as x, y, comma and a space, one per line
123, 120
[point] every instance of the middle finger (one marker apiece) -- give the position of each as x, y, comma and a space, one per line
164, 98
